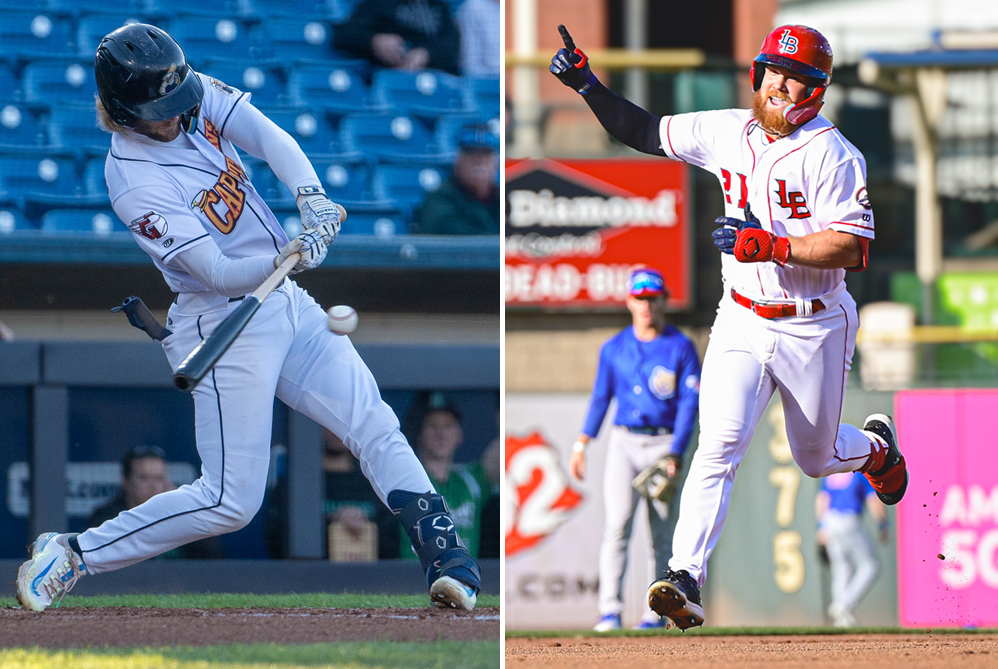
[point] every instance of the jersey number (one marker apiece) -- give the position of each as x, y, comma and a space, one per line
727, 188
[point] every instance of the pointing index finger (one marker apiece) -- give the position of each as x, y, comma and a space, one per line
567, 39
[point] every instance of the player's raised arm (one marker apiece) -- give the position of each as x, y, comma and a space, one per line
624, 120
256, 134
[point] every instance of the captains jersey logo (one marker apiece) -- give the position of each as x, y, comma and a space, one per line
170, 80
788, 43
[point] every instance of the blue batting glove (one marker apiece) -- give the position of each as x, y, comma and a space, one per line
727, 233
571, 65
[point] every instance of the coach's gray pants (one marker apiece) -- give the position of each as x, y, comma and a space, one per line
627, 455
853, 560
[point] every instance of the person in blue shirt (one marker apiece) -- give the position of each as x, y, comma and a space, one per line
653, 372
854, 564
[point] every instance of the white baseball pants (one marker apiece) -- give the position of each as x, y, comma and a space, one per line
627, 455
286, 350
748, 359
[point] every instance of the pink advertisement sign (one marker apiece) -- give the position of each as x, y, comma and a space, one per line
948, 520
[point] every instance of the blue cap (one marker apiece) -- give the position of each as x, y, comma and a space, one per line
646, 282
477, 137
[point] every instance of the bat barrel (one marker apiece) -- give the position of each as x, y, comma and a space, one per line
206, 354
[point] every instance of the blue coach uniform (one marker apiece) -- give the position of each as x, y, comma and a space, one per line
656, 384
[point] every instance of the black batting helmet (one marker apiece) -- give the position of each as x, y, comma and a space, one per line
142, 73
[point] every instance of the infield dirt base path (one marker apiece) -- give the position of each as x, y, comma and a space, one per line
888, 651
130, 627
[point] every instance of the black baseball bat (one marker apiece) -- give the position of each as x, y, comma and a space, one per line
206, 354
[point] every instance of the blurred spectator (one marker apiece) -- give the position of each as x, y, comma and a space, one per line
466, 487
352, 509
467, 203
144, 475
854, 564
480, 54
402, 34
6, 334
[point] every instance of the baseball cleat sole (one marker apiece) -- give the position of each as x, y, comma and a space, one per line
896, 479
449, 593
668, 601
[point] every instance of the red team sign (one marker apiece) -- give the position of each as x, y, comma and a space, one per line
575, 227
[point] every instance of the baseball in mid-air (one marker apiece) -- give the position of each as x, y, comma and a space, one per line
342, 319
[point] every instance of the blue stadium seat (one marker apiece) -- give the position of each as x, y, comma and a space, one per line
49, 175
380, 222
74, 128
50, 83
213, 38
21, 5
340, 10
449, 126
483, 95
215, 10
36, 34
307, 8
387, 136
10, 84
428, 93
336, 88
18, 127
298, 39
99, 222
343, 179
12, 220
92, 28
264, 83
84, 7
309, 129
271, 189
94, 183
406, 185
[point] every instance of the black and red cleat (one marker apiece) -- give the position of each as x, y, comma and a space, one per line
886, 469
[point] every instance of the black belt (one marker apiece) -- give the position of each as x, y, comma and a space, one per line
648, 430
236, 299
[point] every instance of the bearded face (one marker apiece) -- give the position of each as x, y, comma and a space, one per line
767, 109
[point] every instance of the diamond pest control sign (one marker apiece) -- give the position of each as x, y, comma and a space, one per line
574, 228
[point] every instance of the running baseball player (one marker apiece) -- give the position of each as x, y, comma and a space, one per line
839, 509
174, 174
797, 218
653, 371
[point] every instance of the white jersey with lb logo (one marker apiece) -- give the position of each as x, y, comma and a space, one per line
176, 195
804, 183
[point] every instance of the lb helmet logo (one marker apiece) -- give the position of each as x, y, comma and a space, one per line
788, 43
170, 80
537, 498
150, 225
662, 383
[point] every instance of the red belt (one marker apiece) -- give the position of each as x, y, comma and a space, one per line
770, 310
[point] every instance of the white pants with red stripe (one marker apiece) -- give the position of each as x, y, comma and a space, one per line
286, 350
806, 359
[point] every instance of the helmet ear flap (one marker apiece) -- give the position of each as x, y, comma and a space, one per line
755, 76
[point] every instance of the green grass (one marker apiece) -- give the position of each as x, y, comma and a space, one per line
742, 631
346, 655
240, 601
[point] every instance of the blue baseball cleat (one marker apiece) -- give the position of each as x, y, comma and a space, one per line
52, 571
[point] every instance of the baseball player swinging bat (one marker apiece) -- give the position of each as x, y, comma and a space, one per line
206, 354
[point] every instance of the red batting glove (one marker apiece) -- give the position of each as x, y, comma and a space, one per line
757, 245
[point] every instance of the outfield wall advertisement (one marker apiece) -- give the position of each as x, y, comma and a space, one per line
948, 520
574, 228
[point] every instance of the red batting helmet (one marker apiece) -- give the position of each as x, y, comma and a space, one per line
805, 51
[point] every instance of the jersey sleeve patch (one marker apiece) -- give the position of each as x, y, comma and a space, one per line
221, 87
150, 225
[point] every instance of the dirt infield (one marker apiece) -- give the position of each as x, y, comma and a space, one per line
131, 627
910, 651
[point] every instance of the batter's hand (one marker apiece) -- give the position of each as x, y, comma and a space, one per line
726, 235
318, 213
577, 465
571, 65
311, 247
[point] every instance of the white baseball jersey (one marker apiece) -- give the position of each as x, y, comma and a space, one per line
806, 182
181, 194
176, 195
812, 180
